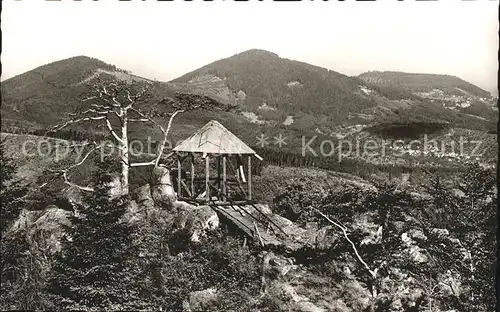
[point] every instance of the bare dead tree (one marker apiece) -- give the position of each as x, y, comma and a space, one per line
121, 102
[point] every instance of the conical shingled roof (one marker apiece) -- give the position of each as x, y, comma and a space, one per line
213, 138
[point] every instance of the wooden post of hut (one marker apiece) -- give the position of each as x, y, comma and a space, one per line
192, 175
207, 177
224, 180
219, 180
249, 177
179, 176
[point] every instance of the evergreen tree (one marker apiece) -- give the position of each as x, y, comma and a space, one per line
95, 268
440, 210
21, 263
11, 190
475, 225
470, 216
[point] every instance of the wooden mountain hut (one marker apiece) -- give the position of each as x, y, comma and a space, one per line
224, 178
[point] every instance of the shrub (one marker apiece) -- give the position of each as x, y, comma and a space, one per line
218, 260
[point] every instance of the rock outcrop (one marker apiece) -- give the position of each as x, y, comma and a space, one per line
115, 187
196, 220
47, 225
133, 213
413, 251
162, 191
143, 198
201, 300
296, 302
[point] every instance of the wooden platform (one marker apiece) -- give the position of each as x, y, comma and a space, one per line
248, 225
214, 202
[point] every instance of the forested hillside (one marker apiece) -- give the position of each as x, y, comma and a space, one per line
285, 84
413, 82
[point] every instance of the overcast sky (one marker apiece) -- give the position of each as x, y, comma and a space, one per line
163, 40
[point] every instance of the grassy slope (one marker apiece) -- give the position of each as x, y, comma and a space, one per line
33, 155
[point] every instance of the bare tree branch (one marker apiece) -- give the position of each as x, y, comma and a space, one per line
110, 128
373, 273
129, 98
138, 120
118, 104
165, 137
144, 116
64, 172
148, 163
68, 182
99, 106
74, 121
89, 98
90, 110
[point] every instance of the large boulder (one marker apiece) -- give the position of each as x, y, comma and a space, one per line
371, 231
441, 233
133, 213
412, 250
162, 191
201, 300
196, 220
291, 300
417, 235
275, 266
47, 224
142, 196
115, 189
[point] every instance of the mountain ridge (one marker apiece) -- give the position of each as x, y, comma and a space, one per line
412, 80
255, 51
265, 88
